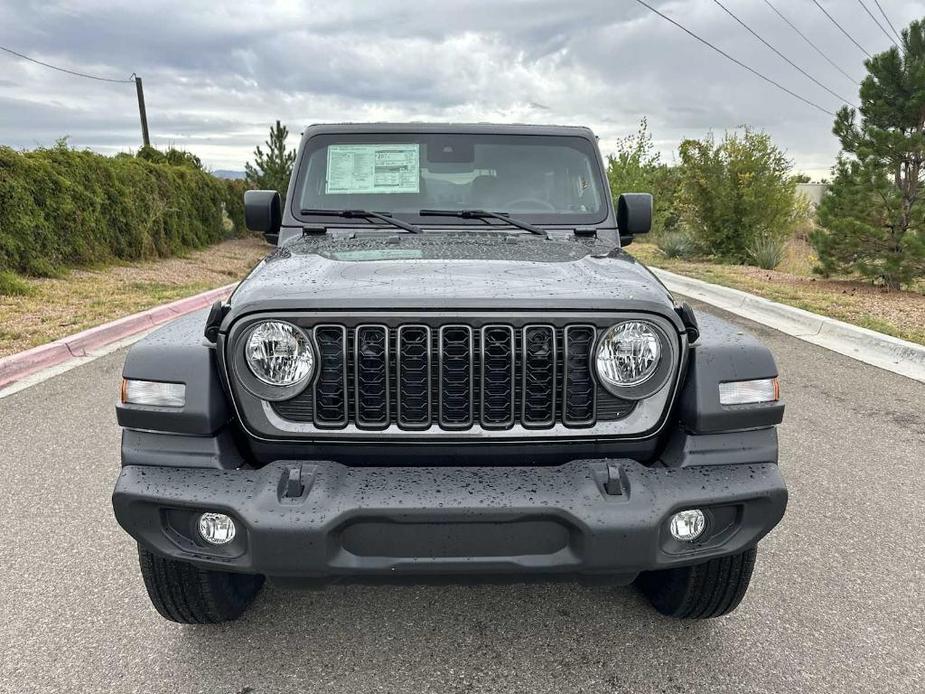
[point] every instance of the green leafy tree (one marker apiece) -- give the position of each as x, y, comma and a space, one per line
271, 169
737, 192
635, 167
873, 216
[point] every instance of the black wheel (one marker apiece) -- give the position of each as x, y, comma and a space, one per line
706, 590
184, 593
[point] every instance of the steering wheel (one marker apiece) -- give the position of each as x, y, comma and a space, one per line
528, 204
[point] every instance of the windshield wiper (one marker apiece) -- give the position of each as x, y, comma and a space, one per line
367, 214
484, 214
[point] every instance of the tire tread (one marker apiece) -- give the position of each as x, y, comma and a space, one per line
184, 593
703, 591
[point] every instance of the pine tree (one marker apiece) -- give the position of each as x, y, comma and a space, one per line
271, 170
873, 217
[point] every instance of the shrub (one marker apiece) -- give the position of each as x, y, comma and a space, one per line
675, 244
735, 192
61, 207
635, 167
233, 199
12, 284
767, 252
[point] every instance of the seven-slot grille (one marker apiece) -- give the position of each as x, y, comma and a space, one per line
453, 376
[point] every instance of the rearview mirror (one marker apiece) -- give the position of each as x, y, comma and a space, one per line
634, 215
263, 213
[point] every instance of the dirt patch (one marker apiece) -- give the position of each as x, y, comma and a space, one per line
55, 308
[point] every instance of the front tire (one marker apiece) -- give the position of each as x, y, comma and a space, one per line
712, 589
187, 594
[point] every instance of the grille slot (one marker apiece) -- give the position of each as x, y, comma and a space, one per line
456, 387
539, 376
455, 377
413, 365
371, 380
331, 385
498, 376
578, 386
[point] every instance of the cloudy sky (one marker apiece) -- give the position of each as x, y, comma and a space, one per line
216, 74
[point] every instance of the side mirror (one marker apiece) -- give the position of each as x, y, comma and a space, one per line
634, 215
263, 212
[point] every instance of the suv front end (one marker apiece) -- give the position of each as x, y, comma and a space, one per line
452, 402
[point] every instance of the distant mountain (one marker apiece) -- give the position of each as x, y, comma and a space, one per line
227, 173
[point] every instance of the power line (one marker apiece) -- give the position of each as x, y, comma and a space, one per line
832, 19
782, 56
880, 7
877, 22
135, 79
63, 69
734, 60
804, 37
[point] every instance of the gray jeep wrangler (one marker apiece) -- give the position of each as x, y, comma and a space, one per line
448, 366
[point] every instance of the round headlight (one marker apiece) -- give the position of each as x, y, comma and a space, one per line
628, 354
279, 354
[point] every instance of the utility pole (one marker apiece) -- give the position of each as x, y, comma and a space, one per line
142, 112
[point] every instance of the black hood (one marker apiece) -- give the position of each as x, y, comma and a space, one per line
450, 270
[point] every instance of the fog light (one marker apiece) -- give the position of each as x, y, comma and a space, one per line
687, 526
216, 528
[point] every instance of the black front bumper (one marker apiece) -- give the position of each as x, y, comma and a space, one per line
403, 520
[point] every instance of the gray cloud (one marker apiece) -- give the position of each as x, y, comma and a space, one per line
216, 74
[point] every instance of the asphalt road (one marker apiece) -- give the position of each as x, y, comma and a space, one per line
837, 602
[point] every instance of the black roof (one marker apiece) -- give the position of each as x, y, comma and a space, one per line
490, 128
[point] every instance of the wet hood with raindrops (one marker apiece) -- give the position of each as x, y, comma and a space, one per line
451, 270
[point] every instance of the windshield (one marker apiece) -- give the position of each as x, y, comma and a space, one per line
538, 178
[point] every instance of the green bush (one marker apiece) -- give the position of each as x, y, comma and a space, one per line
12, 284
767, 252
61, 207
675, 244
233, 199
635, 167
735, 192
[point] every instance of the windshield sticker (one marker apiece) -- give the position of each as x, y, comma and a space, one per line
358, 169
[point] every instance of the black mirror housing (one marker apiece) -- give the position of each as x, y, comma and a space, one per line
263, 212
634, 215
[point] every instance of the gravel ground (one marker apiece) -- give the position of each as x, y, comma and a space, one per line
836, 604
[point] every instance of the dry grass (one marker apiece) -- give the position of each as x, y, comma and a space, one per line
55, 308
901, 314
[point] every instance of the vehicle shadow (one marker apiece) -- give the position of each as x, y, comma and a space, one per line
399, 634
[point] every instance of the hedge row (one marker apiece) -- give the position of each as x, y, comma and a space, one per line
61, 207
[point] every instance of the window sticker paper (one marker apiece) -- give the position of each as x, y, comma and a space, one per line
373, 169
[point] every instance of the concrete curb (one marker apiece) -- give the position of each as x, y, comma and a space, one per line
884, 351
83, 344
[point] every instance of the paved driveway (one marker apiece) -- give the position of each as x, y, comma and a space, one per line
837, 602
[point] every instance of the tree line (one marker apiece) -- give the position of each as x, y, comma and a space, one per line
732, 198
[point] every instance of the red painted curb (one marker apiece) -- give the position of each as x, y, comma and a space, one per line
17, 366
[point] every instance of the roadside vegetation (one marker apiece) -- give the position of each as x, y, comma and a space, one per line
85, 238
854, 300
76, 227
728, 212
63, 208
52, 308
271, 168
